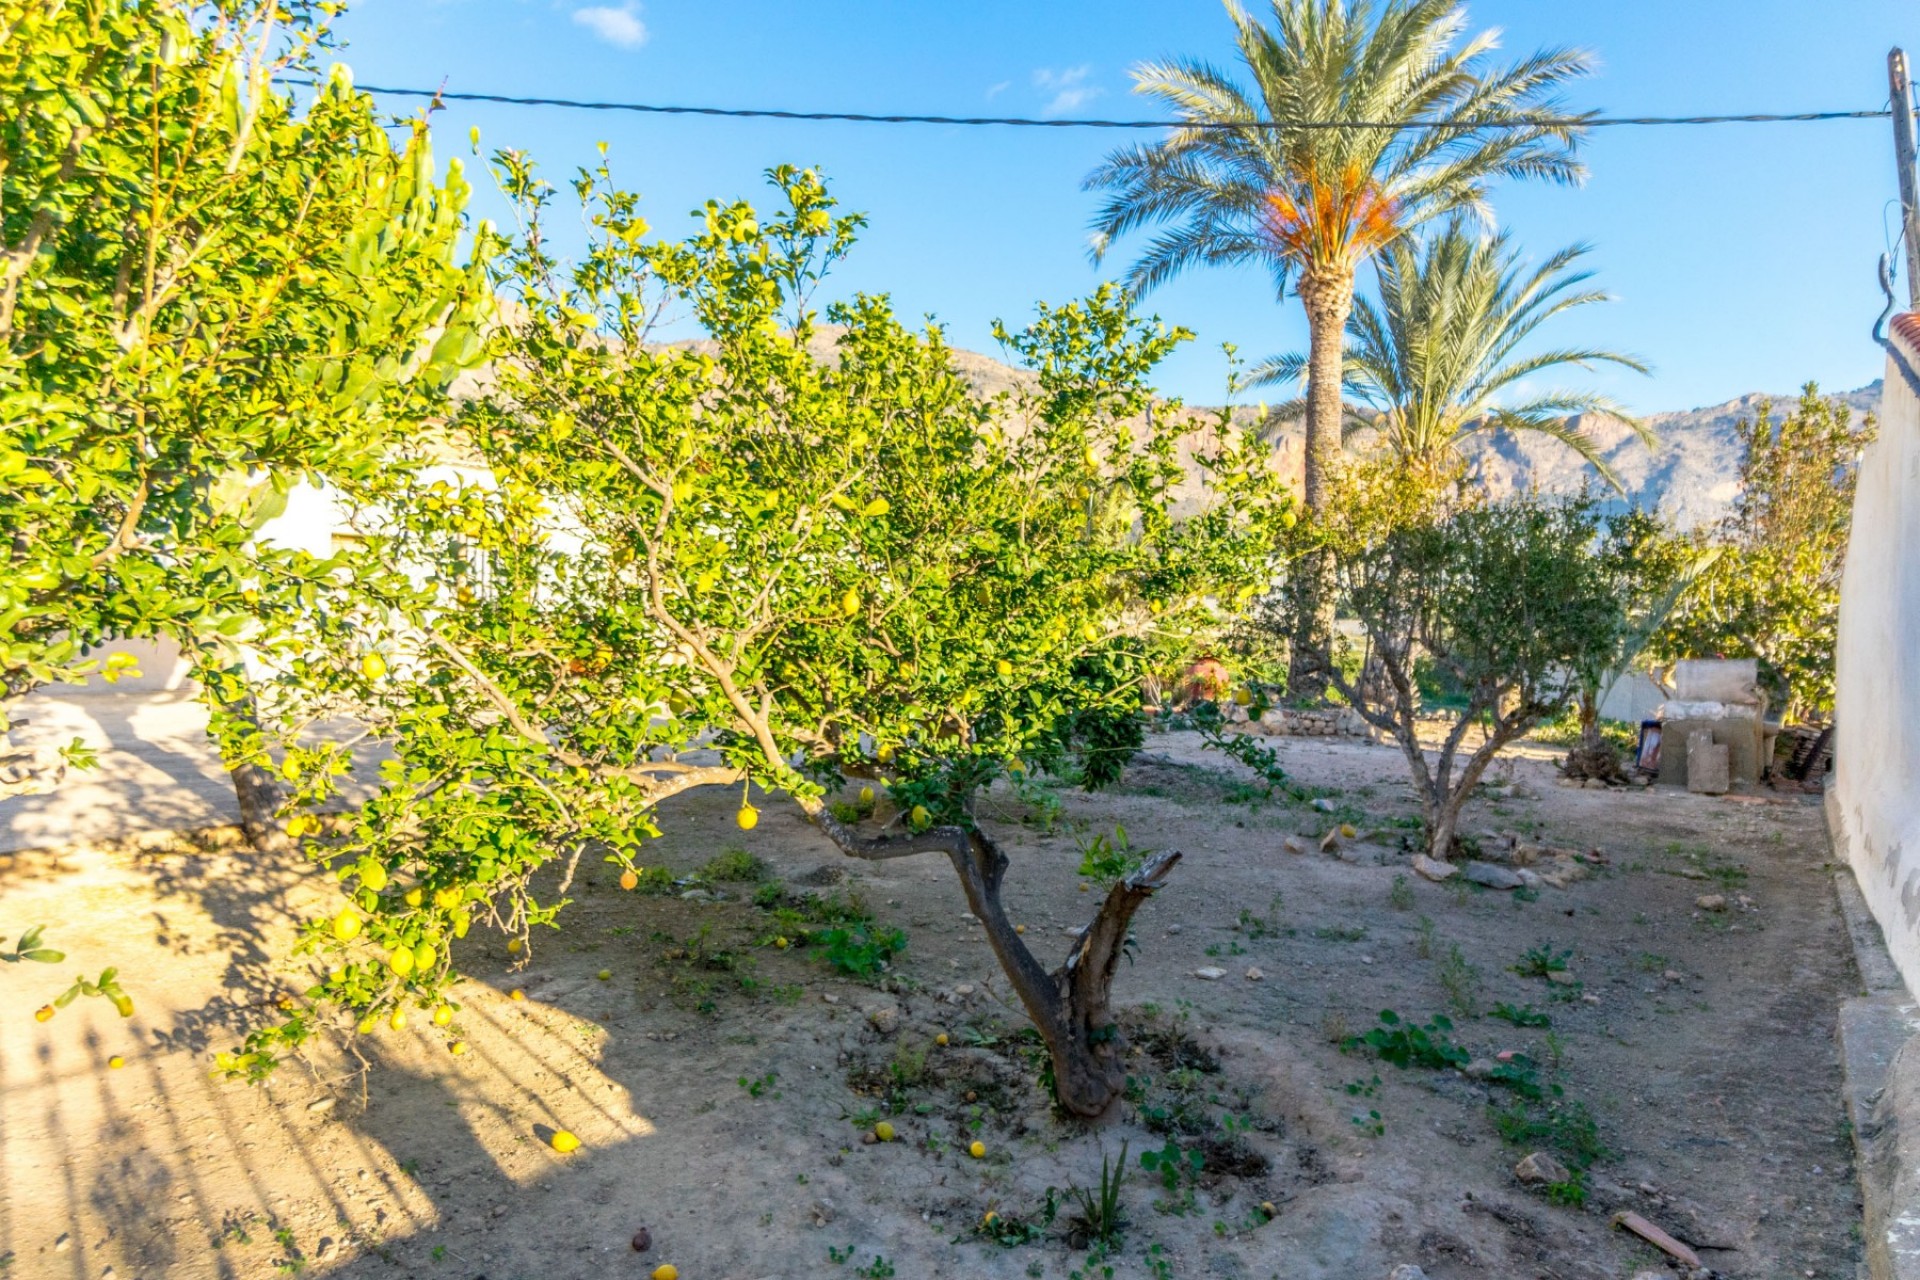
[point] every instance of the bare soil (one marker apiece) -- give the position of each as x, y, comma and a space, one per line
721, 1085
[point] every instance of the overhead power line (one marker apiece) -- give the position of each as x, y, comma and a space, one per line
1029, 122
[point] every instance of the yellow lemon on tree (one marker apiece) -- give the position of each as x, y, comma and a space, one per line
563, 1142
978, 1150
301, 825
44, 1012
424, 957
920, 817
1091, 632
850, 602
116, 1062
748, 818
373, 666
629, 880
368, 1025
399, 1020
883, 1131
373, 875
346, 925
401, 961
442, 1016
415, 897
1004, 667
447, 899
866, 795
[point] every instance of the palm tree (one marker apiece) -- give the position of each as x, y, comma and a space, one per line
1432, 361
1346, 141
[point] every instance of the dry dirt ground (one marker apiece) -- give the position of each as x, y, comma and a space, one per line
721, 1085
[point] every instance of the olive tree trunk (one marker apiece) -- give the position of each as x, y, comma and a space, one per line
1071, 1005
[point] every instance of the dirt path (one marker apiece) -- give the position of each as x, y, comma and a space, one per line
1714, 1092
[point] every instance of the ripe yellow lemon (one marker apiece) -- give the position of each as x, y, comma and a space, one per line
346, 925
116, 1062
423, 957
513, 946
978, 1150
368, 1025
399, 1020
866, 795
604, 974
629, 880
442, 1016
373, 666
44, 1012
301, 824
1019, 928
941, 1039
457, 1048
564, 1142
1004, 667
447, 899
415, 897
748, 818
666, 1271
517, 994
883, 1131
850, 602
920, 817
401, 961
1347, 829
373, 875
781, 942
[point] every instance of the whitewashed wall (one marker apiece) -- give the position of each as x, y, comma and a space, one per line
1873, 804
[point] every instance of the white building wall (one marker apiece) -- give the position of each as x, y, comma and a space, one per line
1873, 803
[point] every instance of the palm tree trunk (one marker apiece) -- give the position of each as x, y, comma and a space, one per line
1329, 301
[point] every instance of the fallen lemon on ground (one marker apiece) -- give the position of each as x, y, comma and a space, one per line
883, 1131
457, 1048
442, 1016
629, 881
978, 1150
666, 1271
866, 795
517, 994
780, 943
604, 974
116, 1062
941, 1039
513, 946
563, 1142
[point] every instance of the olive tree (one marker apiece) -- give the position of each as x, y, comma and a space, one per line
1511, 600
208, 294
781, 555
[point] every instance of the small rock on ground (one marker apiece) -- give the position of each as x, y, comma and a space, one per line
1406, 1271
1210, 974
1539, 1167
1493, 877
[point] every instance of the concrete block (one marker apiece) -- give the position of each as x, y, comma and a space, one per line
1741, 736
1708, 769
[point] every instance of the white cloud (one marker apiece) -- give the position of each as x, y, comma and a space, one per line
998, 89
1069, 89
616, 25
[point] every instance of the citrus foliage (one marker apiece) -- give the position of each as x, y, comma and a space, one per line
1773, 592
207, 295
776, 556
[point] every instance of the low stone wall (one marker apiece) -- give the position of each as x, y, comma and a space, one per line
1290, 722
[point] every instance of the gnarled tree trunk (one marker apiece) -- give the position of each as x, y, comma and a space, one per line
1070, 1006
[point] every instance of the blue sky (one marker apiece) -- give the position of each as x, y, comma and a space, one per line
1742, 256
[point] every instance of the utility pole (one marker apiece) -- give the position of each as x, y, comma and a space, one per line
1901, 85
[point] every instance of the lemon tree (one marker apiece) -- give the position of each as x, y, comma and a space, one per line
782, 554
208, 293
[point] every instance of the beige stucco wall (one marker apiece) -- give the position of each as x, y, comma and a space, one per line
1873, 804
